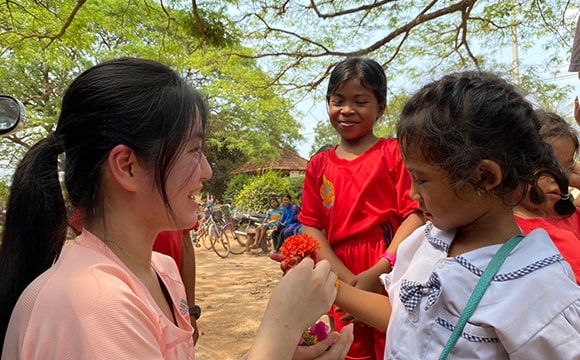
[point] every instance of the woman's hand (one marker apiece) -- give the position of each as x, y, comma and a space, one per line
303, 295
334, 347
316, 295
339, 344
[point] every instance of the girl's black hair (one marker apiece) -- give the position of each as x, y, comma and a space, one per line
466, 117
139, 103
369, 72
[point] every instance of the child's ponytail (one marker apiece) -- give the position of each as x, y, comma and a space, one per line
35, 227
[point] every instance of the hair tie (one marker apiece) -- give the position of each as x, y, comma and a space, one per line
54, 142
564, 196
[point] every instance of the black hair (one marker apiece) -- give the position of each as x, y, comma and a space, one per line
287, 195
369, 72
139, 103
466, 117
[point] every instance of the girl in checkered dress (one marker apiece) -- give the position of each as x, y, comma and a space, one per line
471, 144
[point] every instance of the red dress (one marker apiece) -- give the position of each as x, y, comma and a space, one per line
566, 241
360, 204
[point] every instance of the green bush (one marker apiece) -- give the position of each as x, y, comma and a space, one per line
256, 194
295, 186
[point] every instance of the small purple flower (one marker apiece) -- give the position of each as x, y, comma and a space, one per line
320, 330
314, 334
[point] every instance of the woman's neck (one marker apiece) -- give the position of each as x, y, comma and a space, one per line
131, 244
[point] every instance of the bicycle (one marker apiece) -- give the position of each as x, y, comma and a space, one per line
218, 234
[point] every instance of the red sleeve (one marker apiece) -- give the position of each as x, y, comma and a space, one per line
401, 178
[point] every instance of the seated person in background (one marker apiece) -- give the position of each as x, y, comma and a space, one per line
272, 216
289, 217
557, 217
296, 227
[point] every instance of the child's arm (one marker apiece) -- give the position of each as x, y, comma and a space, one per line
369, 307
369, 279
326, 253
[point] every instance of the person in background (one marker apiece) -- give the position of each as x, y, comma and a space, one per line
539, 210
132, 131
356, 200
289, 216
296, 227
273, 215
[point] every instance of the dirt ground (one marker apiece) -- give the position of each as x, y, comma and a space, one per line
233, 294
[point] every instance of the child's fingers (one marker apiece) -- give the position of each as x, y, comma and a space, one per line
276, 257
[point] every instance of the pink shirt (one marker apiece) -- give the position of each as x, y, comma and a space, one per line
88, 305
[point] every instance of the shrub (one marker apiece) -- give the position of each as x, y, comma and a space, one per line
256, 194
235, 185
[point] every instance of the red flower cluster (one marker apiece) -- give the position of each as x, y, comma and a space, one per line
299, 246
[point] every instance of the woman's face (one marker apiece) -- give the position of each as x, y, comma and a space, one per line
184, 183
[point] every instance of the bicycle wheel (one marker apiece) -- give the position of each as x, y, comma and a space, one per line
206, 239
221, 244
241, 232
236, 248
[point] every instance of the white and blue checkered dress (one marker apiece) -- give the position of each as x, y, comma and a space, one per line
531, 309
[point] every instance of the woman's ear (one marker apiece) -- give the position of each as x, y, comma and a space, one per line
488, 174
123, 166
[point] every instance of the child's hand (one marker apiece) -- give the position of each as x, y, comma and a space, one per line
574, 177
339, 344
285, 265
368, 280
577, 110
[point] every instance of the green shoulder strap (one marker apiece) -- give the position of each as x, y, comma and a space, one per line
479, 290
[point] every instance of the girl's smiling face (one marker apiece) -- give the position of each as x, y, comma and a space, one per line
353, 110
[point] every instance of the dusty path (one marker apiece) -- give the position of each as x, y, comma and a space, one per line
233, 294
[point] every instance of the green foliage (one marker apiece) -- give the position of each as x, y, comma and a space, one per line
295, 187
4, 192
235, 185
45, 44
256, 195
325, 135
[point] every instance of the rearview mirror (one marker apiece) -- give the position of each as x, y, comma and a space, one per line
12, 115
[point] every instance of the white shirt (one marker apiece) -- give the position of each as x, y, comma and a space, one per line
531, 309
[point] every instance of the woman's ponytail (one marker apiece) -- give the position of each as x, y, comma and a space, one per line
35, 226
